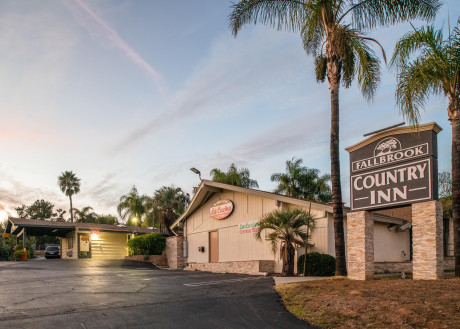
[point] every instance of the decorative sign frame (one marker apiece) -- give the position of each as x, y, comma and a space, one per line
395, 167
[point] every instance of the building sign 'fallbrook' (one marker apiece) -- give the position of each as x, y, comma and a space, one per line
395, 167
221, 209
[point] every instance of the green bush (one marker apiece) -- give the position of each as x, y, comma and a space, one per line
4, 253
150, 244
18, 250
317, 264
17, 254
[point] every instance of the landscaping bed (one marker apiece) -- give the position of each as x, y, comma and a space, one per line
396, 303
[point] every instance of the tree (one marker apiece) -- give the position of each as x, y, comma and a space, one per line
233, 176
445, 184
107, 219
40, 209
287, 227
132, 207
167, 204
333, 31
435, 69
302, 182
85, 215
69, 184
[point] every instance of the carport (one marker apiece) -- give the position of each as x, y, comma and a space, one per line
80, 240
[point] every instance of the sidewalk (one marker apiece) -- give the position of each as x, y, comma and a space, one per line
295, 279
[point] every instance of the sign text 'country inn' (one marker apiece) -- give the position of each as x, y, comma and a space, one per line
395, 167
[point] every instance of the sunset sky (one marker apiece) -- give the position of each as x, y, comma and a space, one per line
137, 92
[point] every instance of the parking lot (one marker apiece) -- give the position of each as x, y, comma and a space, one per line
118, 294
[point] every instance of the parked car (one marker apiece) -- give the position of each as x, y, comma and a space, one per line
53, 252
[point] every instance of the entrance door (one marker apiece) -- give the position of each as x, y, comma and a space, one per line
84, 245
213, 247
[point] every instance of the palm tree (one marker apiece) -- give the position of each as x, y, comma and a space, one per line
287, 227
85, 215
167, 204
69, 185
132, 207
333, 31
302, 182
234, 177
435, 70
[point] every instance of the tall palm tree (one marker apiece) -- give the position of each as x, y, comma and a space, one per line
435, 70
233, 176
334, 32
167, 204
69, 184
287, 227
132, 207
302, 182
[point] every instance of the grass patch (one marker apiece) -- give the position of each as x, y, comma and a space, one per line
342, 303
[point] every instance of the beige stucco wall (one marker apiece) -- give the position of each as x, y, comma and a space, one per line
390, 246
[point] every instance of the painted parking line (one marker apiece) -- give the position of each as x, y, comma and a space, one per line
209, 283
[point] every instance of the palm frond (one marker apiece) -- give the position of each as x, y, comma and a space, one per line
287, 14
367, 14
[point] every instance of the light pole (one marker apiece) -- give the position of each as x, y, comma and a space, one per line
196, 171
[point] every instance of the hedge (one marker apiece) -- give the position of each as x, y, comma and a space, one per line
150, 244
317, 264
4, 253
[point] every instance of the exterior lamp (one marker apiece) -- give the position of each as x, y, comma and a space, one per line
196, 171
135, 221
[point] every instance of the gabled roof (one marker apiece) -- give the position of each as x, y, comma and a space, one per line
40, 227
208, 188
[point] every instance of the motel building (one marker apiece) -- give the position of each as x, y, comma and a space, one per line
80, 240
221, 219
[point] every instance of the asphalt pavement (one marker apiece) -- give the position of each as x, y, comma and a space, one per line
88, 294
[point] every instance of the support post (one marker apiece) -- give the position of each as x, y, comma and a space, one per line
24, 238
360, 245
427, 241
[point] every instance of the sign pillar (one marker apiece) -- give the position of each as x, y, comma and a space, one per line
360, 245
427, 241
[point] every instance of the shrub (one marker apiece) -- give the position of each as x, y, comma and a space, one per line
17, 254
4, 253
150, 244
317, 264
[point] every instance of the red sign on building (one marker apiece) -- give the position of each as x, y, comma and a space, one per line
221, 209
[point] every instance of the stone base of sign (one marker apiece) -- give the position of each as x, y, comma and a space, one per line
427, 240
254, 267
175, 252
360, 245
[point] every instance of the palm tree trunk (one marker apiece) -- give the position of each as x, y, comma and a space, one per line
71, 210
456, 189
333, 74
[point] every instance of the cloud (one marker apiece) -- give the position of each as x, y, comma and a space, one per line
234, 73
103, 30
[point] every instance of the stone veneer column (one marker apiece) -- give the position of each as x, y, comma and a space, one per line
175, 252
360, 245
427, 241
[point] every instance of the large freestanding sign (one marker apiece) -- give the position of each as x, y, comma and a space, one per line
394, 167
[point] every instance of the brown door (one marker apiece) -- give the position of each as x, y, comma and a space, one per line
213, 247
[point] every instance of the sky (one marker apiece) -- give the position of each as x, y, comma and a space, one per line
137, 92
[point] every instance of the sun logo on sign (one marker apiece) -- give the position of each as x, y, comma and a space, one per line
387, 145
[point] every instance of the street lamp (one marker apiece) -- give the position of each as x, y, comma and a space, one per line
196, 171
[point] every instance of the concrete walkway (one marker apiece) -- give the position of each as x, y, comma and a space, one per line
295, 279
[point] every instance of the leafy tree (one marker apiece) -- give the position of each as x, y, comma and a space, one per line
107, 219
445, 184
435, 69
132, 207
69, 184
302, 182
167, 204
233, 176
40, 209
60, 215
286, 227
334, 32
